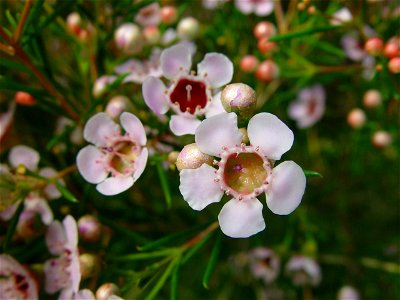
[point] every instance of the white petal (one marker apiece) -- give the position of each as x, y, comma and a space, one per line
51, 190
42, 207
99, 129
270, 134
215, 107
217, 132
134, 127
198, 187
264, 8
71, 231
90, 164
286, 188
24, 155
153, 90
84, 294
56, 238
115, 185
140, 164
176, 60
9, 211
181, 125
241, 219
244, 6
217, 68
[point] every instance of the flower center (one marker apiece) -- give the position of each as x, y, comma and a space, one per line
123, 157
189, 95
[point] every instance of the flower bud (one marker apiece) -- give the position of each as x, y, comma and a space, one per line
151, 34
89, 228
149, 15
168, 14
372, 99
74, 23
267, 71
100, 85
188, 28
116, 106
239, 98
192, 158
265, 46
392, 47
106, 290
394, 65
381, 139
128, 38
88, 263
356, 118
249, 63
373, 46
172, 157
264, 29
348, 293
23, 98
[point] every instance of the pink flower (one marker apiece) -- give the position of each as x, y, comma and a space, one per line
342, 16
303, 270
309, 107
244, 172
63, 273
122, 156
149, 15
15, 280
259, 7
264, 264
188, 95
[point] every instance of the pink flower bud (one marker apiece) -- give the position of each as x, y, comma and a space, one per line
373, 46
116, 106
267, 71
356, 118
168, 14
372, 99
394, 65
74, 23
128, 38
249, 63
188, 28
266, 46
89, 228
23, 98
151, 34
392, 48
381, 139
264, 29
106, 290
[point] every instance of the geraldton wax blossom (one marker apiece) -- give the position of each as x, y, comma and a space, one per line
243, 172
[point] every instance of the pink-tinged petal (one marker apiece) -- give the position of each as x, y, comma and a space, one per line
245, 6
175, 61
140, 163
241, 219
9, 212
149, 15
264, 7
42, 207
51, 190
269, 133
115, 185
189, 45
74, 270
217, 132
198, 187
217, 68
24, 155
343, 15
84, 295
66, 294
153, 90
90, 164
71, 231
286, 188
133, 127
56, 238
99, 129
181, 125
215, 107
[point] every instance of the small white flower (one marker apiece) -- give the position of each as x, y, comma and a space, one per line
115, 161
244, 172
304, 271
188, 95
309, 107
343, 15
15, 280
259, 7
264, 264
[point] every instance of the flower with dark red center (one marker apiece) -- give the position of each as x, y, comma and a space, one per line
244, 172
188, 95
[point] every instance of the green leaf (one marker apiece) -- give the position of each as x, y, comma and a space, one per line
13, 65
174, 282
13, 225
65, 192
9, 84
11, 19
213, 261
164, 183
196, 248
298, 34
144, 256
122, 230
309, 173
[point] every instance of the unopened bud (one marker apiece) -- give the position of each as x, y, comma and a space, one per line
267, 71
373, 46
192, 158
151, 34
89, 228
106, 290
74, 23
168, 14
264, 29
392, 47
23, 98
394, 65
128, 38
117, 105
311, 10
88, 263
249, 63
265, 46
381, 139
239, 98
356, 118
188, 28
372, 99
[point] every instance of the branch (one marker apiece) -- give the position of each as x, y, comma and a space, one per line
22, 20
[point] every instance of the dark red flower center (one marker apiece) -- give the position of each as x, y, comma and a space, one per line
189, 95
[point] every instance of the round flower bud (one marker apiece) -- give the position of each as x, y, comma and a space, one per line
128, 38
74, 23
394, 65
151, 34
239, 98
188, 28
264, 29
373, 46
372, 99
392, 47
89, 228
265, 46
168, 14
23, 98
356, 118
88, 263
192, 158
172, 157
267, 71
106, 290
249, 63
381, 139
117, 105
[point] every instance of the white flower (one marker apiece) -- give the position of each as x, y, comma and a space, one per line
343, 15
63, 273
303, 270
188, 95
244, 172
309, 107
123, 157
259, 7
15, 280
264, 264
